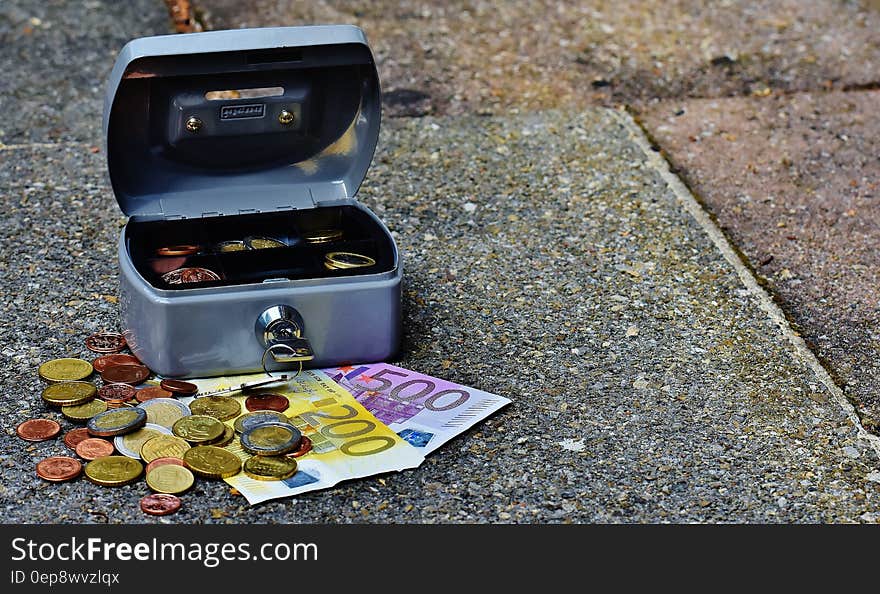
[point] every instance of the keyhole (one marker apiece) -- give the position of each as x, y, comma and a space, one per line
283, 330
279, 323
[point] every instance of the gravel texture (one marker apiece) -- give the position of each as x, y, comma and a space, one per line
500, 57
797, 189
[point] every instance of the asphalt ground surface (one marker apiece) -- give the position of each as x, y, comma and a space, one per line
549, 260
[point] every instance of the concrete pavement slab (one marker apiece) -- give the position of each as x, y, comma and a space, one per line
794, 180
497, 57
548, 258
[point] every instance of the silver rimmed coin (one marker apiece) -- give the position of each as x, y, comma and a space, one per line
164, 411
130, 444
117, 421
270, 439
246, 421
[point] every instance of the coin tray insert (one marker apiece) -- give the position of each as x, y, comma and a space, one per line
298, 260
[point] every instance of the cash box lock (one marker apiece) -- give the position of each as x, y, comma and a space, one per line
279, 330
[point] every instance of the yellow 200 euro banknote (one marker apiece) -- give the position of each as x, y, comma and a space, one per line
347, 440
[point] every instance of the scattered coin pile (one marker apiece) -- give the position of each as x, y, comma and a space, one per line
149, 425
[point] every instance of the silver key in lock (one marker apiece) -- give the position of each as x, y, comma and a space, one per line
282, 325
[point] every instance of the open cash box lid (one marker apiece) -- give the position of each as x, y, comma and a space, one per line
241, 121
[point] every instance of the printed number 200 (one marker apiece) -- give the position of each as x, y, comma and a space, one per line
351, 447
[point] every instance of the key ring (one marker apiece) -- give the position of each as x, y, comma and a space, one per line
269, 350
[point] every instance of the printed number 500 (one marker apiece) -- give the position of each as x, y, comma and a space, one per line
431, 403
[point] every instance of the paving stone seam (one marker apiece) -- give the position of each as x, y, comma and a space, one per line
657, 162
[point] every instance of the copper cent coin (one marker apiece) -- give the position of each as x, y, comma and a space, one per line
151, 392
179, 387
125, 374
38, 429
94, 447
116, 394
165, 265
160, 504
74, 436
198, 275
183, 276
59, 468
177, 250
163, 462
275, 402
105, 361
105, 342
305, 446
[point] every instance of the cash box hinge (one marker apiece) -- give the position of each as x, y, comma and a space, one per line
244, 211
212, 213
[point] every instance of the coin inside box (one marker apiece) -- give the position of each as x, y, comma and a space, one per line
298, 257
237, 156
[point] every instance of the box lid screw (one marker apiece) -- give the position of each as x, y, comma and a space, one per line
193, 124
285, 117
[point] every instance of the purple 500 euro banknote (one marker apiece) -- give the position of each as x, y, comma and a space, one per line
423, 410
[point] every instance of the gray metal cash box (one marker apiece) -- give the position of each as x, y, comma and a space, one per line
237, 156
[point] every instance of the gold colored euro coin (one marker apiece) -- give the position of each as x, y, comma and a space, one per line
170, 478
261, 243
65, 370
198, 428
346, 260
69, 393
212, 462
84, 412
322, 235
113, 471
222, 408
223, 440
270, 468
164, 446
